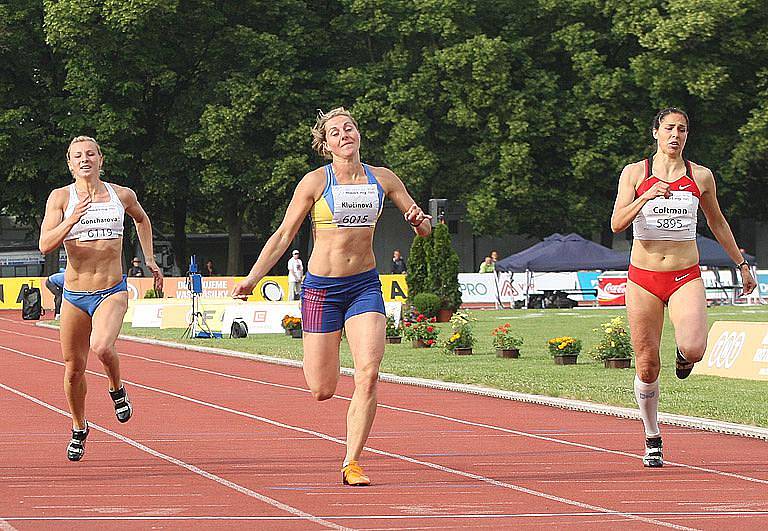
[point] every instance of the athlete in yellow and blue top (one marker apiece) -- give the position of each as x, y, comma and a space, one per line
342, 288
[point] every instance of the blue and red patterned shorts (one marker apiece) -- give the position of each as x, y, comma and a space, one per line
327, 302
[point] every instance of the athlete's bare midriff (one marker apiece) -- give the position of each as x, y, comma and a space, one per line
342, 252
93, 265
664, 255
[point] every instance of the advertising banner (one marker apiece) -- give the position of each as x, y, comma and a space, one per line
611, 287
736, 349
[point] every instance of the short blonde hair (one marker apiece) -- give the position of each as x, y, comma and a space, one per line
83, 138
318, 131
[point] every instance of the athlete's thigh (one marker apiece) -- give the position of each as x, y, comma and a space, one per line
688, 313
108, 320
645, 314
74, 331
321, 358
365, 333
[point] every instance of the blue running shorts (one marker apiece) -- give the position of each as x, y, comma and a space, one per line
88, 301
327, 302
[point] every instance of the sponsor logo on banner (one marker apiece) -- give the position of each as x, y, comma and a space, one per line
736, 349
611, 290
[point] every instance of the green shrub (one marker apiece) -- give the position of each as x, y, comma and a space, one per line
416, 275
152, 293
426, 303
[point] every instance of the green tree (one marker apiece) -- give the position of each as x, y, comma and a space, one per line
443, 268
417, 274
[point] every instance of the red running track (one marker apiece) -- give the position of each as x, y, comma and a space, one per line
231, 443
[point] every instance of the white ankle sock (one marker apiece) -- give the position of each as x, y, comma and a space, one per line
647, 396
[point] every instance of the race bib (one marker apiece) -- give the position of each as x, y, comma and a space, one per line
355, 205
675, 213
99, 223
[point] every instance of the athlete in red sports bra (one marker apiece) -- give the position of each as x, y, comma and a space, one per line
660, 197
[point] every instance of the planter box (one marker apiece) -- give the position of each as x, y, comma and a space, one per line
419, 343
296, 333
461, 351
444, 316
618, 363
394, 340
508, 352
565, 360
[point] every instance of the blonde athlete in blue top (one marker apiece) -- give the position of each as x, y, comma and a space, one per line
342, 287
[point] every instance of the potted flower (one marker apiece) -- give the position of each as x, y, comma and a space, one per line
565, 349
422, 331
614, 347
394, 330
507, 344
461, 340
292, 326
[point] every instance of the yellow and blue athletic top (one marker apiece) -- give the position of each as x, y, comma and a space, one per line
348, 205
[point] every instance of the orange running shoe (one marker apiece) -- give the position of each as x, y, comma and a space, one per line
353, 475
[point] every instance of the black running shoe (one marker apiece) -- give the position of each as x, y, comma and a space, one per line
76, 447
123, 408
683, 367
653, 457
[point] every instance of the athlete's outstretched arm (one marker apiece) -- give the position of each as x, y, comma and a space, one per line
55, 228
301, 202
720, 227
144, 230
397, 193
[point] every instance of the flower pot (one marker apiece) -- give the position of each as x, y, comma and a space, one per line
287, 332
394, 340
444, 316
462, 351
296, 333
419, 343
508, 352
566, 359
618, 363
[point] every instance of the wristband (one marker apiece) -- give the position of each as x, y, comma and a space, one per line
744, 263
416, 224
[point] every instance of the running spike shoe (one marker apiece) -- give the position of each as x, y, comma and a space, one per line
653, 455
683, 367
353, 475
123, 408
76, 446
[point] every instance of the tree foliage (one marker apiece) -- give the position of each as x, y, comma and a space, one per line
525, 111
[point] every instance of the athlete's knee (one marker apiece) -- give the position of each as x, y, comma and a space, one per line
74, 370
105, 352
366, 379
693, 350
323, 393
647, 371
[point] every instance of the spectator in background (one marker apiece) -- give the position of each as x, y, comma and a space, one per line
487, 265
494, 256
136, 270
295, 275
210, 269
398, 263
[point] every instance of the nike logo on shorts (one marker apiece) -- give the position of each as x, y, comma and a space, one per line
685, 186
678, 279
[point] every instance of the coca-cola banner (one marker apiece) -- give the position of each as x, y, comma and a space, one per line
611, 287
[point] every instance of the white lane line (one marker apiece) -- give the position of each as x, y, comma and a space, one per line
192, 468
440, 516
437, 416
400, 457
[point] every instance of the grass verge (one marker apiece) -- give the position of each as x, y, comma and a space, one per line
725, 399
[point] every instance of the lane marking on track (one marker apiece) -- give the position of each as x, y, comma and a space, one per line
385, 516
427, 414
427, 464
178, 462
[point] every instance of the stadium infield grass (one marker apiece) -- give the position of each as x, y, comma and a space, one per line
726, 399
